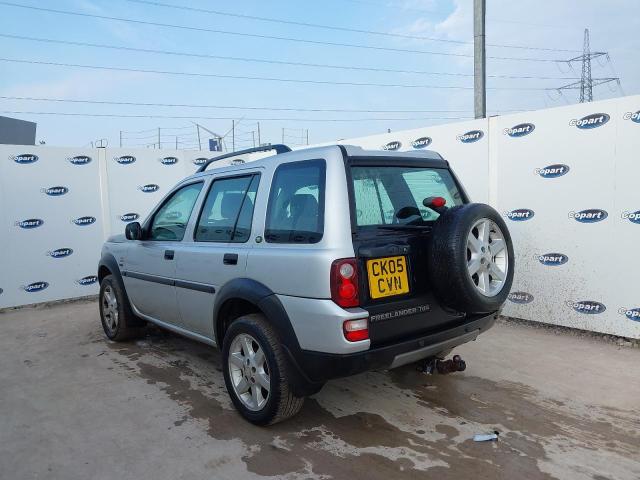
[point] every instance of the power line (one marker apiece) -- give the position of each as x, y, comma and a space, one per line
270, 79
224, 107
261, 36
293, 22
197, 117
269, 61
335, 27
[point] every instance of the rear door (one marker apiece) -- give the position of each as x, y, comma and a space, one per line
218, 249
392, 230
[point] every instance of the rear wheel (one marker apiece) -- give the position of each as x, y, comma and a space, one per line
256, 372
118, 321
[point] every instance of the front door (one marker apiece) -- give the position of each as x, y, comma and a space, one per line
150, 266
218, 251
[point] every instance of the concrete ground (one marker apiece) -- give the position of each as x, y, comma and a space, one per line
75, 406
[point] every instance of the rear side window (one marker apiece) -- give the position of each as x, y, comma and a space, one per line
295, 213
228, 210
387, 195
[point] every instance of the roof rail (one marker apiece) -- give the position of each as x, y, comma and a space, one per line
279, 148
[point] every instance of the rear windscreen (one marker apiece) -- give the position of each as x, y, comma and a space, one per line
386, 195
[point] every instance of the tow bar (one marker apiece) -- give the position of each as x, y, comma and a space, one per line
433, 365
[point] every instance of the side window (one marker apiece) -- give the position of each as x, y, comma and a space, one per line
170, 222
374, 204
228, 210
295, 213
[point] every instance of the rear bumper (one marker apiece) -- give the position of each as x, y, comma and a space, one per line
318, 367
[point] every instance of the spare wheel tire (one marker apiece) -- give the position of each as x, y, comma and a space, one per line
470, 259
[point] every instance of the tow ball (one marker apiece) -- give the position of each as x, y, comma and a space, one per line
433, 365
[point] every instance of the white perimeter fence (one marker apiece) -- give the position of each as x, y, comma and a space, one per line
566, 179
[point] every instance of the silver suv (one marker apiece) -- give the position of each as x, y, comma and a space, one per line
310, 265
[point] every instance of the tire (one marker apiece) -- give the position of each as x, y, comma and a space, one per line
279, 403
451, 259
118, 321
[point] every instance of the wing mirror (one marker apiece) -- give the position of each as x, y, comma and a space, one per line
133, 231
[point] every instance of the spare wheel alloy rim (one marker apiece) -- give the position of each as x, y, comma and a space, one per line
249, 372
487, 257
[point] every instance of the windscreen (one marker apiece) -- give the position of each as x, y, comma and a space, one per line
388, 195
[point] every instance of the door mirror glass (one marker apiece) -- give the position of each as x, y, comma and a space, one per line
133, 231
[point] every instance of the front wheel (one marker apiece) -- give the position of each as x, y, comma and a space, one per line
256, 372
118, 321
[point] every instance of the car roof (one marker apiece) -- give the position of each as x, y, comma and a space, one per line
352, 151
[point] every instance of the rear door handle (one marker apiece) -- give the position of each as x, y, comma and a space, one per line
230, 259
168, 254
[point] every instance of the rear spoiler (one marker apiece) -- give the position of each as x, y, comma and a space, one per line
279, 148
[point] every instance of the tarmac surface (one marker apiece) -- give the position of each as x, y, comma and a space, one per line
76, 406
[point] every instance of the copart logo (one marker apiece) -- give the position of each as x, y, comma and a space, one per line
594, 120
553, 171
632, 216
520, 297
55, 191
630, 313
24, 158
168, 161
471, 136
60, 253
125, 159
35, 287
634, 117
422, 142
587, 306
519, 130
395, 145
200, 161
30, 223
129, 217
591, 215
80, 160
84, 221
520, 214
552, 259
149, 188
88, 280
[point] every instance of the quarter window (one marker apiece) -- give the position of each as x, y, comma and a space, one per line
295, 213
170, 221
228, 210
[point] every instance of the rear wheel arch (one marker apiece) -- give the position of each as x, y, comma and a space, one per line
243, 296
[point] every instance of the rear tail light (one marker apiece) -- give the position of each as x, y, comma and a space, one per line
356, 330
344, 282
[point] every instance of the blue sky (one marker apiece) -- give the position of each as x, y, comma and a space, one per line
612, 24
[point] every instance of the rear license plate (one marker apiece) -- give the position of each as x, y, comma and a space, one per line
387, 276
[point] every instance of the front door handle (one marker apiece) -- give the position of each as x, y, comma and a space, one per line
230, 259
168, 254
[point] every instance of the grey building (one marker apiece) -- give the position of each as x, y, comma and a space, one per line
17, 132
